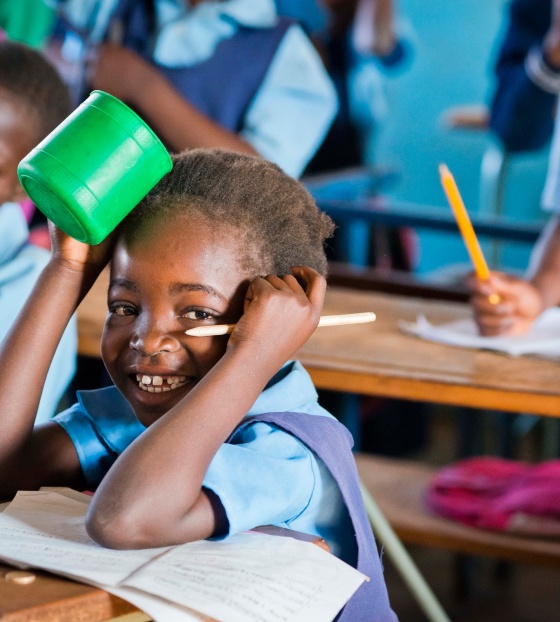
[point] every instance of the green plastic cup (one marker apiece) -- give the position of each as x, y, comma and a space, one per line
94, 168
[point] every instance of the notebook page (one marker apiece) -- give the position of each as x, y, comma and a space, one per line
543, 339
252, 577
47, 530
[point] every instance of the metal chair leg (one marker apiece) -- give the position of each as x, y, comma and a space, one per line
402, 561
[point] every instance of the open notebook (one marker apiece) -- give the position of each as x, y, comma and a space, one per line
542, 340
249, 577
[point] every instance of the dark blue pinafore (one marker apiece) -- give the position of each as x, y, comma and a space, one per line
332, 443
221, 87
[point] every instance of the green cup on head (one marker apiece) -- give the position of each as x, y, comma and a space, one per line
91, 171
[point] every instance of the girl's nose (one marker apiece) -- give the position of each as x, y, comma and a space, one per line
151, 339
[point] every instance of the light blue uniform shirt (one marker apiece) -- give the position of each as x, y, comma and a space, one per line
296, 103
20, 266
264, 476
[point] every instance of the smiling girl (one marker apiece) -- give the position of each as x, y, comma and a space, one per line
200, 436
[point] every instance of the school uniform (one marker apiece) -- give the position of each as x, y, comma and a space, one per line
523, 105
237, 62
274, 469
523, 110
20, 266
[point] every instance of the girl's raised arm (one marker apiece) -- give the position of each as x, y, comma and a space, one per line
32, 457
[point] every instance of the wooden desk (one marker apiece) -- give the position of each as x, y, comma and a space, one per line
377, 359
53, 599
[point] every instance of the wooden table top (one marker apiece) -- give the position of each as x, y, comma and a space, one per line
54, 599
378, 359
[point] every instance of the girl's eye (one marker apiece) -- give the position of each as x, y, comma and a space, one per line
123, 310
197, 314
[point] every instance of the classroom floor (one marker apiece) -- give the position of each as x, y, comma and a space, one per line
512, 592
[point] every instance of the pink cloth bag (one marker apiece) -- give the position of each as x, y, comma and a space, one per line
499, 494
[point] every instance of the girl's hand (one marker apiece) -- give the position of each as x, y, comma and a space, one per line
77, 256
519, 304
280, 314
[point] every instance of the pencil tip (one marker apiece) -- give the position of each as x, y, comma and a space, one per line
443, 170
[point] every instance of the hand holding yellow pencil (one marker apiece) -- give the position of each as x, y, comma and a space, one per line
465, 227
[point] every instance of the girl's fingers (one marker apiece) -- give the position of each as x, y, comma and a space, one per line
315, 284
276, 281
303, 281
483, 304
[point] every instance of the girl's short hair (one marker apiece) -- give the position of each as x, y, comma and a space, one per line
279, 224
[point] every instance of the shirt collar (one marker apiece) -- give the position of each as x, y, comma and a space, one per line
188, 36
13, 231
291, 389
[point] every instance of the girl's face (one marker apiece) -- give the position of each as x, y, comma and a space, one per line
183, 274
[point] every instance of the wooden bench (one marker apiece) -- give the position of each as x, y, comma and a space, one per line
398, 487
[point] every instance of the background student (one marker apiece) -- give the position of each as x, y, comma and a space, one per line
33, 101
200, 436
528, 73
209, 73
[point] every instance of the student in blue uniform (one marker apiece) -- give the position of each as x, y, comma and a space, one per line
523, 117
200, 436
207, 73
33, 101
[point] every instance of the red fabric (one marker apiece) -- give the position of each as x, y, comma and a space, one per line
494, 493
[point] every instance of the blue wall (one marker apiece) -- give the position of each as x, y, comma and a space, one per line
454, 44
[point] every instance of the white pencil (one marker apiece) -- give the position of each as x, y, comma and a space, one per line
326, 320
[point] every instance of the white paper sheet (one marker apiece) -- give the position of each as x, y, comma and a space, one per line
542, 340
47, 530
248, 577
252, 577
158, 609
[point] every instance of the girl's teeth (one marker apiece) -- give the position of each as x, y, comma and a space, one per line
157, 384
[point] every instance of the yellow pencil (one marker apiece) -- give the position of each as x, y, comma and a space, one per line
465, 227
326, 320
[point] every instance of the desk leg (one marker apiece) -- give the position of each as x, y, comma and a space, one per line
403, 562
